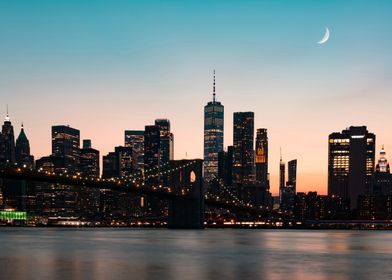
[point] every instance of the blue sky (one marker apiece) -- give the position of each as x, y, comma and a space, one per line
106, 66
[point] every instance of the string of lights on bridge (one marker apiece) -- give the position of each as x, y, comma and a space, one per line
138, 179
124, 179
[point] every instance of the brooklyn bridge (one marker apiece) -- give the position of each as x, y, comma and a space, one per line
185, 190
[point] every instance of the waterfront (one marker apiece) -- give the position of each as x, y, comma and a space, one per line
66, 253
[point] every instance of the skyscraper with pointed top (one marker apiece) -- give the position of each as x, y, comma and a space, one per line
22, 150
7, 143
282, 176
213, 135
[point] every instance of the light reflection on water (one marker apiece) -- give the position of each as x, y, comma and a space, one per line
40, 253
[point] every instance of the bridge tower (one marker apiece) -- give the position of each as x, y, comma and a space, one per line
185, 213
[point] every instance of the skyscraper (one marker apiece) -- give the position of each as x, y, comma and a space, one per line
135, 139
66, 145
225, 166
213, 135
124, 157
382, 165
382, 176
22, 151
152, 149
88, 198
261, 160
89, 160
18, 194
56, 199
243, 148
351, 163
282, 177
292, 174
7, 143
166, 140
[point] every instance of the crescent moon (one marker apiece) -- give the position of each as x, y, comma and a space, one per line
325, 38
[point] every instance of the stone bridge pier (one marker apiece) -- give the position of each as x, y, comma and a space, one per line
187, 213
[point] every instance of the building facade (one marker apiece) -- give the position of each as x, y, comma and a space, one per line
243, 148
351, 163
166, 141
135, 139
7, 143
22, 151
292, 174
66, 145
213, 135
382, 177
261, 160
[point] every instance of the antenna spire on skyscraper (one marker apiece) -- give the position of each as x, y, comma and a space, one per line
7, 118
213, 89
280, 154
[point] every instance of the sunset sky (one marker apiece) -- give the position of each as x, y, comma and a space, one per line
116, 65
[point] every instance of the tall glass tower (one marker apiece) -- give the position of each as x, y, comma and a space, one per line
243, 153
213, 135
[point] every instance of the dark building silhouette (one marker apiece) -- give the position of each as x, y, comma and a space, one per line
166, 141
375, 207
225, 166
66, 145
152, 147
287, 199
17, 194
213, 135
7, 143
292, 174
125, 161
351, 163
22, 151
110, 166
261, 161
282, 177
135, 139
312, 206
88, 198
117, 164
243, 148
56, 199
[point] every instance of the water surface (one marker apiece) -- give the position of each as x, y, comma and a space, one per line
56, 253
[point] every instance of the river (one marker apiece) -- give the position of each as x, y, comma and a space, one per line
86, 253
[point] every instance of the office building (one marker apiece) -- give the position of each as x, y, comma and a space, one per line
88, 198
243, 148
135, 139
351, 163
152, 147
66, 145
7, 143
261, 161
213, 135
225, 166
22, 151
166, 141
292, 174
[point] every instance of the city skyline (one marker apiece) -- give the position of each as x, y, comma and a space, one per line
115, 77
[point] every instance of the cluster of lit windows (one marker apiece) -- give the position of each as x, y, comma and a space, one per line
343, 141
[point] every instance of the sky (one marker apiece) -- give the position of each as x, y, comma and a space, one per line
107, 66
